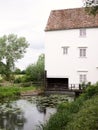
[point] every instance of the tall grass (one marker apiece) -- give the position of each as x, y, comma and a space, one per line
8, 93
12, 92
86, 118
75, 115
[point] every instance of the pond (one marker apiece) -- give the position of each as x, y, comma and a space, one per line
28, 113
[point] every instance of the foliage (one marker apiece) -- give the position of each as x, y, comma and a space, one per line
19, 78
11, 92
51, 100
91, 7
91, 91
12, 48
31, 73
87, 117
17, 71
2, 68
78, 115
8, 93
23, 72
40, 67
35, 72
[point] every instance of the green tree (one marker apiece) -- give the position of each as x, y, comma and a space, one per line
91, 6
40, 66
12, 48
17, 71
35, 72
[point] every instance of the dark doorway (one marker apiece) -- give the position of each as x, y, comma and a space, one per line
57, 83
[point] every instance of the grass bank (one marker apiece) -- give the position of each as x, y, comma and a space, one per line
7, 93
12, 92
82, 114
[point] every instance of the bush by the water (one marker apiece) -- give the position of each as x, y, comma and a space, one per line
82, 114
86, 118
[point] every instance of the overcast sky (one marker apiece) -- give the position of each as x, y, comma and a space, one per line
28, 18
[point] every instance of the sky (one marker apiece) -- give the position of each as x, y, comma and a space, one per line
28, 18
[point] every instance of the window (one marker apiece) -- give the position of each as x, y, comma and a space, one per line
96, 2
83, 78
65, 49
82, 51
82, 32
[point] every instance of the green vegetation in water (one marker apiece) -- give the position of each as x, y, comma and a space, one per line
82, 114
50, 101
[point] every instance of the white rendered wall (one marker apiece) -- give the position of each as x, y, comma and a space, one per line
71, 65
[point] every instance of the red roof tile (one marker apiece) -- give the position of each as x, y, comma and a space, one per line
71, 19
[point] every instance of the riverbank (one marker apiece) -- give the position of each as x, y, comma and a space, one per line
81, 114
29, 112
12, 92
31, 93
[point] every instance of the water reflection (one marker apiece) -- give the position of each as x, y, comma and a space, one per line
11, 118
23, 115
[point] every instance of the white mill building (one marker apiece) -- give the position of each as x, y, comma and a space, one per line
71, 48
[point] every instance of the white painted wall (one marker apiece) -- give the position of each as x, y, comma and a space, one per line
69, 66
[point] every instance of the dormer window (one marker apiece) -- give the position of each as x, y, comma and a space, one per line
82, 32
65, 49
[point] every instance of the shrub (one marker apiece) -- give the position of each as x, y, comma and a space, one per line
91, 91
87, 117
17, 80
82, 114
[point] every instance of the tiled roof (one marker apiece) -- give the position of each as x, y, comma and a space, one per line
71, 19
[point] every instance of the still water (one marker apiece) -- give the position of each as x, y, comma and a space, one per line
24, 114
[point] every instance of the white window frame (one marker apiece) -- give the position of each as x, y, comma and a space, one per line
82, 52
65, 49
82, 32
83, 78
